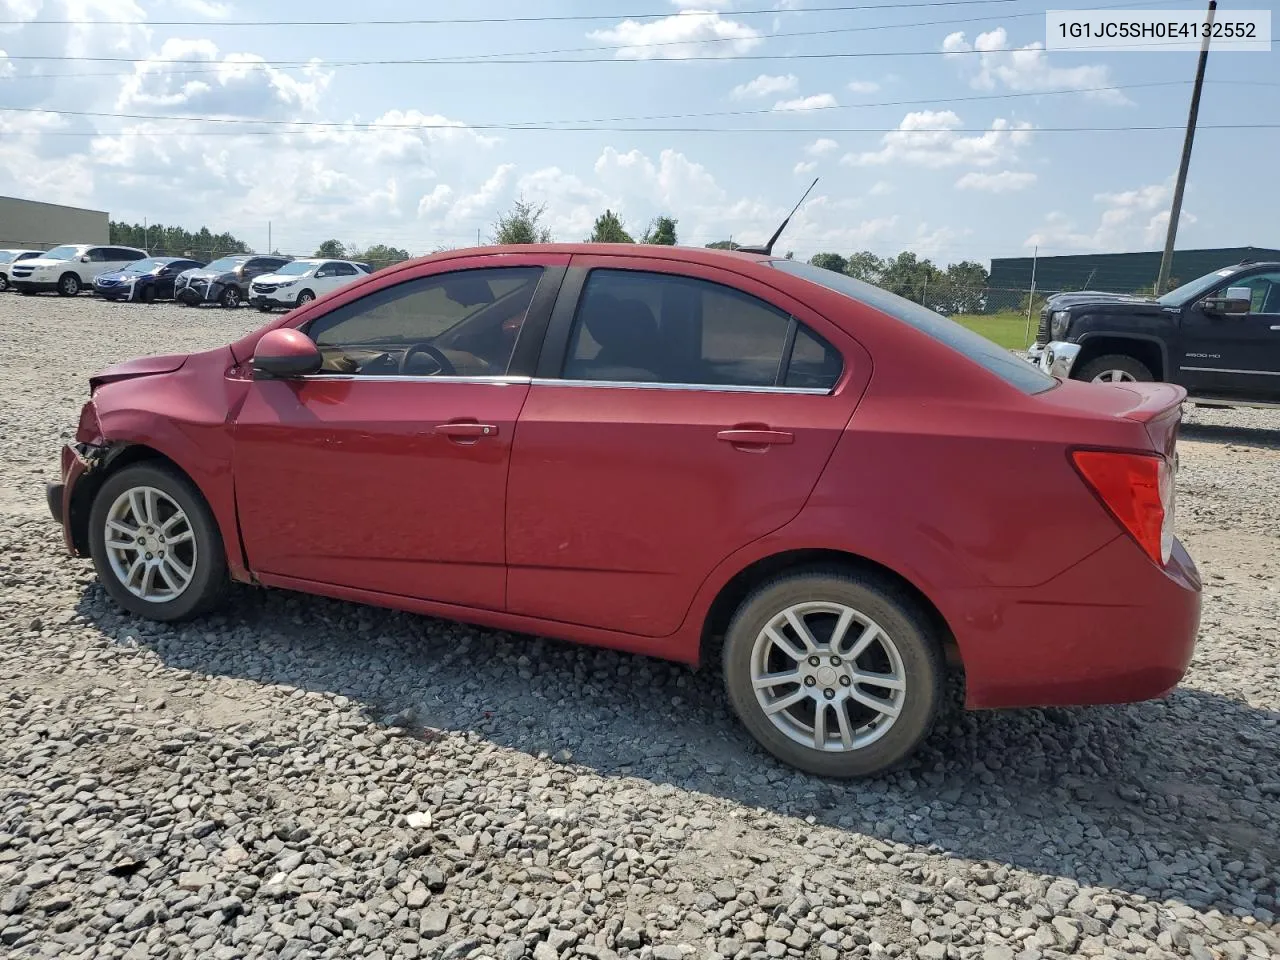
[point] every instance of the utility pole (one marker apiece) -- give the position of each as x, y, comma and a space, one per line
1166, 262
1031, 297
269, 247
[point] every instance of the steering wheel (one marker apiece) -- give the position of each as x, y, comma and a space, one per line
446, 366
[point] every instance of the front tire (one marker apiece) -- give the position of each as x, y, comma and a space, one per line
155, 544
1116, 368
305, 297
4, 283
69, 285
834, 671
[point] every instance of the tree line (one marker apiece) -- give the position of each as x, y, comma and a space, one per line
955, 289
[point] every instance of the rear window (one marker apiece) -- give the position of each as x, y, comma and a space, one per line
990, 356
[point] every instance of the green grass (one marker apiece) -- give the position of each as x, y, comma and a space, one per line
1008, 329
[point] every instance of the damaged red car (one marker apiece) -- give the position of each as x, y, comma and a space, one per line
688, 454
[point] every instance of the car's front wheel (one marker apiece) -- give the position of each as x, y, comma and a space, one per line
834, 671
69, 285
4, 283
230, 297
155, 544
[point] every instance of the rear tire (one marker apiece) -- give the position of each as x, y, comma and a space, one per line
886, 636
69, 285
230, 297
1115, 368
156, 505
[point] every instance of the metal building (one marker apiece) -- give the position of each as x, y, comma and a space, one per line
35, 225
1116, 272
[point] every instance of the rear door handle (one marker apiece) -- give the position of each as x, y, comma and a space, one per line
467, 431
756, 437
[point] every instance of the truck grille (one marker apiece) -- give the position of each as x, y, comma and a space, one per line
1042, 332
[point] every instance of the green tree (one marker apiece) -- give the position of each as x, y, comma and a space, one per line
332, 249
661, 232
160, 240
829, 261
910, 277
521, 224
865, 266
609, 229
964, 288
723, 245
377, 256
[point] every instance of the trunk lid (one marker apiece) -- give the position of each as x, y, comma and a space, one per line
1156, 406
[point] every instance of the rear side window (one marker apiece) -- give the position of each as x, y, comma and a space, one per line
659, 328
990, 356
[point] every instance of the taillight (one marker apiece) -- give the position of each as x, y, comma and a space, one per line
1138, 489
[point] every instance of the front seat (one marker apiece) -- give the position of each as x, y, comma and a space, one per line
627, 332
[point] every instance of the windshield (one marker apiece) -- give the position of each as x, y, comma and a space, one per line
987, 354
61, 253
225, 265
6, 256
143, 266
1189, 291
298, 268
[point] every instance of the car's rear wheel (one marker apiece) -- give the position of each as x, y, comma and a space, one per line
155, 544
69, 285
1116, 368
834, 671
230, 297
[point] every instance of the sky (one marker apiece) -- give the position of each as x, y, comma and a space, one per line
933, 127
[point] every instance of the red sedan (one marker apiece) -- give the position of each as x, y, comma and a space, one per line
668, 451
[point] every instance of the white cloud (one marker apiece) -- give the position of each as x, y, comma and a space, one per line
6, 65
240, 84
936, 242
675, 182
688, 33
863, 86
212, 9
805, 167
1026, 69
881, 188
702, 4
1130, 219
928, 138
821, 147
818, 101
766, 85
1006, 181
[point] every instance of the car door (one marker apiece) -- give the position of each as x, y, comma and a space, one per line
164, 280
325, 279
1236, 354
387, 470
680, 412
341, 274
99, 262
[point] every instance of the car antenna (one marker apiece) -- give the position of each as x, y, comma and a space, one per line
767, 249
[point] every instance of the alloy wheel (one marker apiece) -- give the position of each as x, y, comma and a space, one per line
1115, 376
150, 544
828, 677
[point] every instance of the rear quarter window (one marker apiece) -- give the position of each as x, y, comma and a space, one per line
975, 347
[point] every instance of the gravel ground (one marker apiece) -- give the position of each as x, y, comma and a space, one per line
305, 778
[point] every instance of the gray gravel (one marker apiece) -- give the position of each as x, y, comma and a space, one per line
305, 778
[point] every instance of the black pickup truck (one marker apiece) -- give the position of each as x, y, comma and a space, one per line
1218, 336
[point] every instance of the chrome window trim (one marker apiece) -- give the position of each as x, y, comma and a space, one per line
425, 378
695, 387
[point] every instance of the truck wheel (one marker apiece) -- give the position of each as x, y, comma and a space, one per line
1115, 368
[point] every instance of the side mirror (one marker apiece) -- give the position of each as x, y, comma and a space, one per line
84, 259
1236, 301
283, 353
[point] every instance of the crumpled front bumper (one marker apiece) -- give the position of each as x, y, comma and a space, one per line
1056, 358
77, 459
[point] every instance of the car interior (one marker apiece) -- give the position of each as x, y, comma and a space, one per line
462, 324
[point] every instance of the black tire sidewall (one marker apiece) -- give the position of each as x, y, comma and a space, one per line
226, 298
62, 283
305, 297
210, 576
896, 614
1117, 361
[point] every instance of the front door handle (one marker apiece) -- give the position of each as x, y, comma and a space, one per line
755, 437
467, 430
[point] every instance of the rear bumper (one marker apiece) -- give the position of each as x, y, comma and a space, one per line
1115, 628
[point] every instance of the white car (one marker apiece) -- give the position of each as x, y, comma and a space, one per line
10, 257
302, 281
70, 268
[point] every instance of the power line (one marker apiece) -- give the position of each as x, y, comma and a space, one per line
563, 18
928, 101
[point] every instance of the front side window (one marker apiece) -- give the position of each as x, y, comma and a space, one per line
634, 326
464, 323
1264, 289
343, 270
